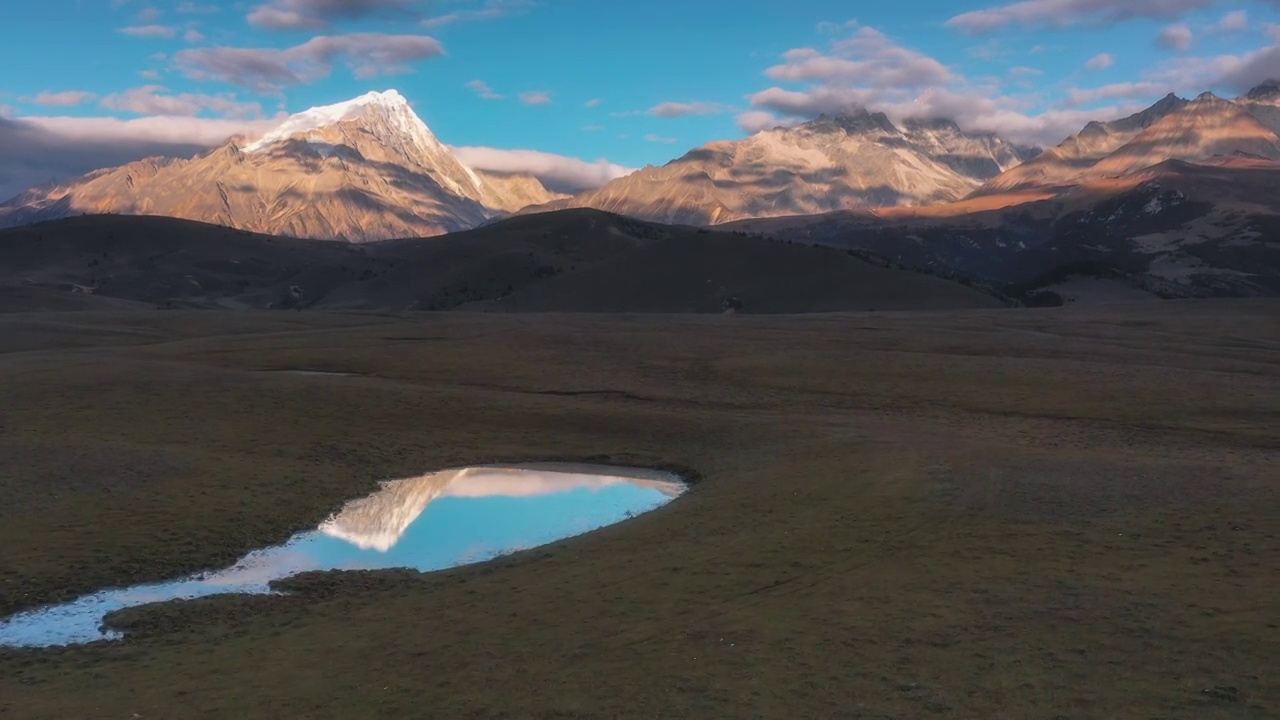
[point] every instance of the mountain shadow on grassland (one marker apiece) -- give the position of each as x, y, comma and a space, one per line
571, 261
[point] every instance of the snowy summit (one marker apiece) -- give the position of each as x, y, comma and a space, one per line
389, 103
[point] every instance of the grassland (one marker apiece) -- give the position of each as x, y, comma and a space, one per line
1066, 513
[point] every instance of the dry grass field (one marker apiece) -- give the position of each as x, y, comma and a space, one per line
1067, 513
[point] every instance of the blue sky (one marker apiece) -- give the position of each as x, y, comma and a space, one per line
586, 89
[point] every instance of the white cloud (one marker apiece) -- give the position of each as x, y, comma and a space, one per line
268, 69
489, 10
63, 99
481, 88
1065, 13
1076, 97
754, 121
1233, 22
989, 104
535, 97
593, 102
149, 100
318, 14
677, 109
1101, 61
204, 132
827, 27
972, 107
1176, 37
868, 57
1004, 116
193, 36
557, 172
651, 137
1239, 73
831, 100
37, 149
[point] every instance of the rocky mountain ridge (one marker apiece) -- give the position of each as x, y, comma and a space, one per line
854, 160
1172, 129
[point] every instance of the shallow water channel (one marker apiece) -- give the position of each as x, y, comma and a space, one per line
438, 520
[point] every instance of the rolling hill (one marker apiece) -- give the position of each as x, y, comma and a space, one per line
572, 261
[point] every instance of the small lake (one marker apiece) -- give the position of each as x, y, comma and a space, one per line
439, 520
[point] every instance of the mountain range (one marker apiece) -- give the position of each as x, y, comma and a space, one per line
369, 169
851, 161
1172, 129
1176, 200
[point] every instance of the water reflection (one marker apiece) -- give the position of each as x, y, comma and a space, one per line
438, 520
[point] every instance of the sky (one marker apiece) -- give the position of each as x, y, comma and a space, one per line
581, 91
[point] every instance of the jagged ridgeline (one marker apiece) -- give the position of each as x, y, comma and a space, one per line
851, 161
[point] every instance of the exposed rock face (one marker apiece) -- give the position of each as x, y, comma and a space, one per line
1263, 102
510, 192
1172, 129
366, 169
1063, 164
1205, 128
858, 160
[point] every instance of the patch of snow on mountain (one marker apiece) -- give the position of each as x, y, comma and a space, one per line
319, 117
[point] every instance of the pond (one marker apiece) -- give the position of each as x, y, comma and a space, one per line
435, 521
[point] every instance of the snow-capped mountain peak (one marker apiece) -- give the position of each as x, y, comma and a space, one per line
390, 103
382, 126
360, 170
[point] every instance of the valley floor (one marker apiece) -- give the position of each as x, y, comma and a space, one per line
1066, 513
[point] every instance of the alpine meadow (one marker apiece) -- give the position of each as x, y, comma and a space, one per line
561, 359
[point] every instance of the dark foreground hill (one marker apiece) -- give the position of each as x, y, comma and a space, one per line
570, 261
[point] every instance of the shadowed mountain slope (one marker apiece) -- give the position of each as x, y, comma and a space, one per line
574, 261
1177, 229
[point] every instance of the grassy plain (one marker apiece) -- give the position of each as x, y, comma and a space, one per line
1067, 513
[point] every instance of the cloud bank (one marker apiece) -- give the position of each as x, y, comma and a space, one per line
37, 150
269, 69
1066, 13
558, 172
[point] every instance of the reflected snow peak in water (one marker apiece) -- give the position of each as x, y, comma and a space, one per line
439, 520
